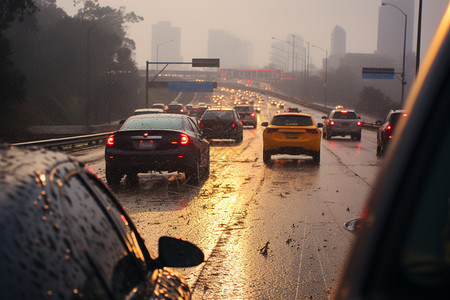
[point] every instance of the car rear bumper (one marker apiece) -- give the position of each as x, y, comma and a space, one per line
144, 161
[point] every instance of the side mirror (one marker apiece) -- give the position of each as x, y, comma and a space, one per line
178, 253
354, 225
324, 117
265, 124
378, 122
320, 125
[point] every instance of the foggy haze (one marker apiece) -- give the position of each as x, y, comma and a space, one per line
259, 21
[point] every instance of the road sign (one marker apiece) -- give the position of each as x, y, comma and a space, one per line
206, 62
192, 86
378, 73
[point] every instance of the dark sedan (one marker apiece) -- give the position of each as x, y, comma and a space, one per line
64, 235
157, 142
222, 123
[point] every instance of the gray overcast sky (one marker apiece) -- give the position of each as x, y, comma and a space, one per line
259, 20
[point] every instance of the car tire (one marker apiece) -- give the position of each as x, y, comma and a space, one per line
358, 136
193, 175
328, 136
240, 137
323, 134
316, 157
113, 175
267, 157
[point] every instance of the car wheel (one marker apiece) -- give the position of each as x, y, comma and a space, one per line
267, 157
193, 175
358, 136
255, 125
113, 175
328, 136
206, 169
323, 134
240, 137
316, 157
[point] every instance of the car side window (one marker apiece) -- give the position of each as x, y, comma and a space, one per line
193, 126
100, 239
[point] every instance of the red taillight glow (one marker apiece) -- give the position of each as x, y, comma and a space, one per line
332, 123
358, 123
233, 125
145, 134
110, 140
201, 123
181, 110
389, 127
124, 220
253, 114
184, 139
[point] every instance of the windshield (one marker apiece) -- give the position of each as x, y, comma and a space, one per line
149, 123
292, 121
266, 203
217, 114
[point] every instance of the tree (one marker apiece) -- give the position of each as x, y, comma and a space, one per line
374, 102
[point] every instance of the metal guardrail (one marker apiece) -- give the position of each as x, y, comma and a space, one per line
69, 143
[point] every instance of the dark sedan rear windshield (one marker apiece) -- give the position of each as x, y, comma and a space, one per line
292, 121
243, 108
152, 123
344, 115
217, 114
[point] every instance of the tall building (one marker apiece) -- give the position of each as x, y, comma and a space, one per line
166, 44
231, 50
338, 46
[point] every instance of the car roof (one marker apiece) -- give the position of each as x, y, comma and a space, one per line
292, 114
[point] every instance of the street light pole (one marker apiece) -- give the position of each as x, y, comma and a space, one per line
325, 78
157, 52
419, 33
404, 49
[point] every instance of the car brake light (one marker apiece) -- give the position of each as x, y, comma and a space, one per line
184, 139
358, 123
181, 110
233, 125
332, 123
270, 130
110, 140
253, 114
389, 127
145, 134
201, 123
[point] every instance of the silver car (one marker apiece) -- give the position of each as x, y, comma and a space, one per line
342, 122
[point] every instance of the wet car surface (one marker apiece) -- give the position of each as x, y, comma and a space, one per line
65, 235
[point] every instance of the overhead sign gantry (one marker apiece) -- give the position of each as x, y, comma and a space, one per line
183, 86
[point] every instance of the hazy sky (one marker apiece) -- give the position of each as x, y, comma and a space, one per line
259, 20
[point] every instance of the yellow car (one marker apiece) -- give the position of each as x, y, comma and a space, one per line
291, 133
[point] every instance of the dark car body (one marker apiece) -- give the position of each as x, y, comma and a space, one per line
386, 130
293, 109
175, 109
64, 235
403, 248
222, 123
158, 142
342, 122
247, 114
197, 111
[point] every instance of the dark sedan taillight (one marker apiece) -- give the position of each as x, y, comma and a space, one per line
358, 123
332, 123
184, 139
388, 131
110, 140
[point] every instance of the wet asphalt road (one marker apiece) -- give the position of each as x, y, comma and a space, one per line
267, 232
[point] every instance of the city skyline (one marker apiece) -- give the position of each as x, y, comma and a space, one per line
258, 21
